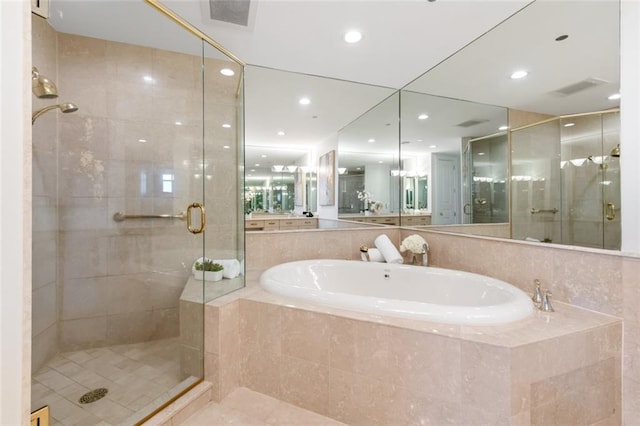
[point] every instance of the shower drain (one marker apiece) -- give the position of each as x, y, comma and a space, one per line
93, 395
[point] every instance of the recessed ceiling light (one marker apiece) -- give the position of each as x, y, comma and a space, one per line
304, 101
569, 124
353, 36
519, 74
614, 97
264, 156
257, 165
423, 117
418, 140
372, 140
142, 140
226, 126
503, 127
481, 153
280, 133
227, 72
178, 123
433, 146
252, 170
226, 146
562, 37
148, 78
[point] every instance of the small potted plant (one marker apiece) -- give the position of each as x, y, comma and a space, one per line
212, 271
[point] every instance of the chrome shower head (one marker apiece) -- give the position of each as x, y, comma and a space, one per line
615, 152
41, 86
65, 108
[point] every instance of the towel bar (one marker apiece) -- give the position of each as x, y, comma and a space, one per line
120, 216
553, 210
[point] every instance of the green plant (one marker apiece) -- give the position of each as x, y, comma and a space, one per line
208, 266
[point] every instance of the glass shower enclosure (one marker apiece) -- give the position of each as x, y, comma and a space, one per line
565, 183
130, 191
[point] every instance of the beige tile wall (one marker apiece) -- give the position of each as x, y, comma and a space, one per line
45, 290
121, 282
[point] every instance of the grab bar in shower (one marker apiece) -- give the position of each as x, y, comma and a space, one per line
119, 216
535, 211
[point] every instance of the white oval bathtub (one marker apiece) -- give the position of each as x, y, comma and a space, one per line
434, 294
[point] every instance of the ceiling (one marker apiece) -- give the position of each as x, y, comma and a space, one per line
292, 43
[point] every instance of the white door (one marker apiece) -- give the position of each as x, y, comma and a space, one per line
445, 187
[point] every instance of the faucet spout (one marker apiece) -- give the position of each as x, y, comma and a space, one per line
364, 253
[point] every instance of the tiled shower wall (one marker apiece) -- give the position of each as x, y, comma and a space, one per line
124, 151
45, 202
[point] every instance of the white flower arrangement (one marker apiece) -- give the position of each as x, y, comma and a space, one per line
364, 196
415, 244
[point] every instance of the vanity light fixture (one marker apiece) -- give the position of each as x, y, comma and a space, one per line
352, 36
569, 124
423, 117
519, 74
226, 126
228, 72
304, 101
614, 97
501, 128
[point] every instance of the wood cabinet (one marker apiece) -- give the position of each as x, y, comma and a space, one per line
407, 220
281, 224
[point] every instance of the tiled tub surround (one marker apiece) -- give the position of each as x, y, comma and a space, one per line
604, 281
364, 369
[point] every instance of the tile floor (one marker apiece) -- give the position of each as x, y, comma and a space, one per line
244, 407
137, 376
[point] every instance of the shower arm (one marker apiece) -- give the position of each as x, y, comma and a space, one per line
41, 111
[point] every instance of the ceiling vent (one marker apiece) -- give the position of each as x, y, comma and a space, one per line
472, 122
574, 88
231, 11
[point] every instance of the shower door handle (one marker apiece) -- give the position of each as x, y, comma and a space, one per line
203, 218
611, 211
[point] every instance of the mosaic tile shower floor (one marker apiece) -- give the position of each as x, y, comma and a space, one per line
137, 376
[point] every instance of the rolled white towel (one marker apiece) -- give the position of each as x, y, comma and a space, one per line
374, 256
231, 267
388, 250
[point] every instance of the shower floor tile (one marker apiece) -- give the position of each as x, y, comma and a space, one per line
136, 375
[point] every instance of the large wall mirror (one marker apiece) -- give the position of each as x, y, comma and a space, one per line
291, 121
560, 182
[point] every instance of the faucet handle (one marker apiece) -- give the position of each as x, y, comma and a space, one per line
537, 293
546, 302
